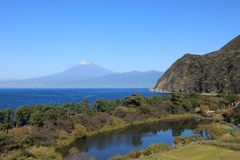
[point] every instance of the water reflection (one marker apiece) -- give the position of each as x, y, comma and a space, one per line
110, 141
121, 142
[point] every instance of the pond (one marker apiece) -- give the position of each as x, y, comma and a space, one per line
104, 146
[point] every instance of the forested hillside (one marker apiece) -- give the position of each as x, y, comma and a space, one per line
215, 72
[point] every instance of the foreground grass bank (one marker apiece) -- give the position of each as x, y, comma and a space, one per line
192, 147
196, 152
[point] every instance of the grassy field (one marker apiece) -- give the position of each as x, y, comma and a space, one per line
229, 129
196, 152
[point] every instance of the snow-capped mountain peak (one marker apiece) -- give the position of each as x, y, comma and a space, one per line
85, 62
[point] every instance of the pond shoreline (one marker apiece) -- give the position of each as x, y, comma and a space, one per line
116, 128
138, 127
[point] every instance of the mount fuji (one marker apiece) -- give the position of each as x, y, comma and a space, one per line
88, 74
83, 70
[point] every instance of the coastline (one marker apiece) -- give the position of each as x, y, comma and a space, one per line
159, 91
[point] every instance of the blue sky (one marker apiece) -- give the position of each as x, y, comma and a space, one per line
43, 37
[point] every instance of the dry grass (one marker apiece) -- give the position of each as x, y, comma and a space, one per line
196, 152
237, 136
229, 129
212, 129
45, 153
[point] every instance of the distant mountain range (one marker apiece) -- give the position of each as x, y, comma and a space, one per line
88, 74
215, 72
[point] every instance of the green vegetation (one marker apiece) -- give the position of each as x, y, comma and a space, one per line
31, 130
200, 149
182, 141
152, 149
215, 72
196, 152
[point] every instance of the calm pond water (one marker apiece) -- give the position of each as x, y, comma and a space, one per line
104, 146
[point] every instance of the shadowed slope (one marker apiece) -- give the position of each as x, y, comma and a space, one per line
210, 73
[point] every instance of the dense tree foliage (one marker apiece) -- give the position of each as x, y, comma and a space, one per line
45, 125
155, 106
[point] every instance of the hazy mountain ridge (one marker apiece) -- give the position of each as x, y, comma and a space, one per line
88, 74
214, 72
128, 79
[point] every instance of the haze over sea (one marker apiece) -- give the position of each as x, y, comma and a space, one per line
15, 97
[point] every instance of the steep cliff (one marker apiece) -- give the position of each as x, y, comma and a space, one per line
214, 72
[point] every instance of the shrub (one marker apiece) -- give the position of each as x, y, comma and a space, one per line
120, 111
19, 155
45, 153
42, 136
119, 157
62, 134
65, 123
134, 154
145, 109
156, 148
73, 152
133, 116
20, 136
162, 109
146, 151
181, 141
105, 118
92, 123
79, 131
178, 141
155, 114
163, 147
204, 108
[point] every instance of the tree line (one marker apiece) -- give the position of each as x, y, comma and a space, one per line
46, 125
177, 103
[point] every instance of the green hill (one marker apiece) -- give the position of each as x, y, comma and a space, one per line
214, 72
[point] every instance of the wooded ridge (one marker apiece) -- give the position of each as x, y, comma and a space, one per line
215, 72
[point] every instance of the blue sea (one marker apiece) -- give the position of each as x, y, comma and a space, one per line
15, 97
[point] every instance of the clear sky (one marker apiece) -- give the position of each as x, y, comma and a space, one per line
43, 37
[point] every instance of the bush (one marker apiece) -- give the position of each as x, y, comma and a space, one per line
133, 116
146, 151
42, 136
204, 108
145, 109
134, 154
160, 147
154, 148
19, 155
79, 131
21, 136
45, 153
92, 123
119, 157
178, 141
65, 123
120, 111
105, 118
181, 141
62, 134
164, 108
